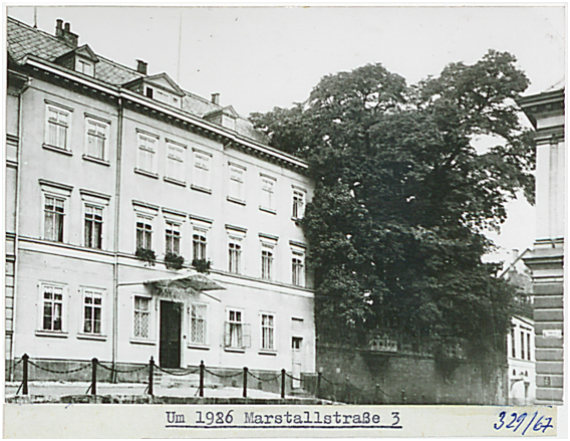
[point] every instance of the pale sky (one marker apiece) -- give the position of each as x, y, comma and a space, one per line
261, 57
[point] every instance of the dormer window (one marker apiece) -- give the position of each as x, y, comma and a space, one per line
84, 66
149, 92
158, 87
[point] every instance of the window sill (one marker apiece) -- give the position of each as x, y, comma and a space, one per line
56, 334
57, 149
198, 346
202, 189
238, 350
146, 173
272, 352
96, 160
174, 181
267, 210
142, 341
85, 336
236, 201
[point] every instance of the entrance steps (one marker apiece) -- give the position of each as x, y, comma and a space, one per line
176, 378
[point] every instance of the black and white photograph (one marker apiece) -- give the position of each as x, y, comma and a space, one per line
336, 214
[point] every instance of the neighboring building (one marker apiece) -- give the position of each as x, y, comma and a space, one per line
546, 113
106, 166
520, 342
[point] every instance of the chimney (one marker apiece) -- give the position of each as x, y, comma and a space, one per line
59, 27
142, 67
65, 33
216, 98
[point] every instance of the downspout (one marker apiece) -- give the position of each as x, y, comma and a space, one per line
115, 337
17, 222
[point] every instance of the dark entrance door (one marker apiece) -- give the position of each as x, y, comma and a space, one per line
170, 318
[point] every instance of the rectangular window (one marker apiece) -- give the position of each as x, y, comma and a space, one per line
93, 227
85, 67
199, 246
234, 331
298, 204
92, 312
201, 177
144, 234
52, 308
54, 211
172, 238
175, 162
522, 345
142, 317
57, 127
267, 194
234, 257
267, 341
146, 153
298, 271
96, 139
528, 346
198, 323
267, 264
237, 183
513, 349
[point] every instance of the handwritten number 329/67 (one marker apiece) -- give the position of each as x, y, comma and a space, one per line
516, 421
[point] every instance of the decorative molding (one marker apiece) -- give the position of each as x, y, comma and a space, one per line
96, 160
147, 133
196, 149
236, 228
57, 149
176, 213
268, 236
235, 201
148, 174
235, 164
94, 194
268, 210
200, 219
56, 104
264, 175
200, 189
96, 117
46, 183
174, 181
298, 244
178, 143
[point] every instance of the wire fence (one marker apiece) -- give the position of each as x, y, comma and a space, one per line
283, 383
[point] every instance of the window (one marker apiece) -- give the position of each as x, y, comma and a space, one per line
142, 317
522, 345
267, 263
201, 177
52, 308
527, 345
92, 303
85, 67
198, 323
146, 153
54, 211
298, 270
199, 245
149, 92
93, 227
172, 238
267, 341
96, 139
237, 183
57, 127
234, 331
298, 204
513, 349
267, 194
175, 161
144, 234
234, 256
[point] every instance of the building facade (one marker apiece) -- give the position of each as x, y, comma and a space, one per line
114, 176
546, 113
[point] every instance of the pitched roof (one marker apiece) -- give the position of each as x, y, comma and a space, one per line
23, 40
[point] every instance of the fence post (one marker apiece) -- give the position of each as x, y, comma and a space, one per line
94, 376
151, 376
202, 369
245, 382
25, 358
376, 393
347, 390
319, 377
283, 383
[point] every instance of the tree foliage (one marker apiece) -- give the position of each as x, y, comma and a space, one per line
403, 197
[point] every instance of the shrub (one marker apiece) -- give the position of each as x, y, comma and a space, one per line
202, 265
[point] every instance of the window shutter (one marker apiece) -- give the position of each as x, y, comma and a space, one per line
227, 340
246, 335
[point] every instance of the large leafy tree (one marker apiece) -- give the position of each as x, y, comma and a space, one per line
403, 197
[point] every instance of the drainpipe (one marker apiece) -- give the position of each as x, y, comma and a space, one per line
115, 337
17, 221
